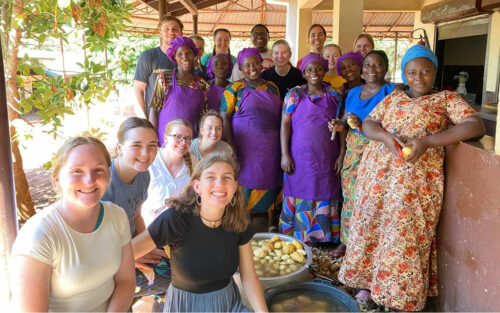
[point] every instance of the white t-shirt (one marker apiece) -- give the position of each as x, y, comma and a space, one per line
267, 62
82, 265
163, 186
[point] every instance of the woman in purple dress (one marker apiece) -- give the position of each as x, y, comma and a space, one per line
310, 159
219, 70
251, 109
179, 93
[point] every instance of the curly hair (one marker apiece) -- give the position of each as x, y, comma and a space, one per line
235, 216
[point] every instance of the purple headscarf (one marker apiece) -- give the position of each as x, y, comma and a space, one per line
356, 56
310, 58
248, 52
178, 42
210, 66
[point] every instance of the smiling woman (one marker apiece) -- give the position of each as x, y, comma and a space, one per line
207, 230
311, 163
400, 199
251, 111
50, 263
170, 170
209, 140
178, 94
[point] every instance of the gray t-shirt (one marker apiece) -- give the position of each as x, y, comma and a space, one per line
149, 61
221, 146
129, 197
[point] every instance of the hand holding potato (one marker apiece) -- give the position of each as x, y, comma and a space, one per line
391, 141
354, 121
419, 146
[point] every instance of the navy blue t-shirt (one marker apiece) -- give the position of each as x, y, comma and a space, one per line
150, 60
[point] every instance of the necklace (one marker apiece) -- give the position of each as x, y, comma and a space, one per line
213, 224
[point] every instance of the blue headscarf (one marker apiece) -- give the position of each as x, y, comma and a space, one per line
417, 51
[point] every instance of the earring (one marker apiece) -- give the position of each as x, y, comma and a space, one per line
198, 200
233, 201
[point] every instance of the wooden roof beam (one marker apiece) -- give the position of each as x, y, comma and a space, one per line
189, 5
177, 9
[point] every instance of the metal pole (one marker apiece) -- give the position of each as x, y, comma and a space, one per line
8, 218
195, 24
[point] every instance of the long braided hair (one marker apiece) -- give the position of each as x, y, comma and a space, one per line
168, 130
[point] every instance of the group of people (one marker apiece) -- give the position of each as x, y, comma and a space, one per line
319, 143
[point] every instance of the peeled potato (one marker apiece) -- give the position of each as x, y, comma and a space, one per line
406, 151
302, 251
278, 245
274, 239
260, 253
297, 257
297, 244
288, 248
268, 247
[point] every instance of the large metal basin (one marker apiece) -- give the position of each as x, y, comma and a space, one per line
339, 300
301, 275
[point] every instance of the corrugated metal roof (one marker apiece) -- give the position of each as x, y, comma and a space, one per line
240, 15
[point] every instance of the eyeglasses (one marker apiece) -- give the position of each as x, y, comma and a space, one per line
179, 138
261, 34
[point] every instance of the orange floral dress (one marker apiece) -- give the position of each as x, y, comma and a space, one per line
392, 245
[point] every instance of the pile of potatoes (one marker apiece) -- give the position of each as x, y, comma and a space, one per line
274, 257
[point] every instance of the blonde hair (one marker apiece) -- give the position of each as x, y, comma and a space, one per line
364, 35
169, 128
332, 45
281, 42
235, 217
68, 145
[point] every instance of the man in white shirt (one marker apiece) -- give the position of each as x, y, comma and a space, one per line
260, 38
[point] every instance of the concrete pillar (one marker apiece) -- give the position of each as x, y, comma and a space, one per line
292, 34
492, 70
298, 21
347, 22
430, 29
304, 21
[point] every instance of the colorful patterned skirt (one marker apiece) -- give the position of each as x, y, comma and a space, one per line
355, 145
310, 221
260, 201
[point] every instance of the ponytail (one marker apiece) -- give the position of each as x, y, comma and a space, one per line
189, 163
